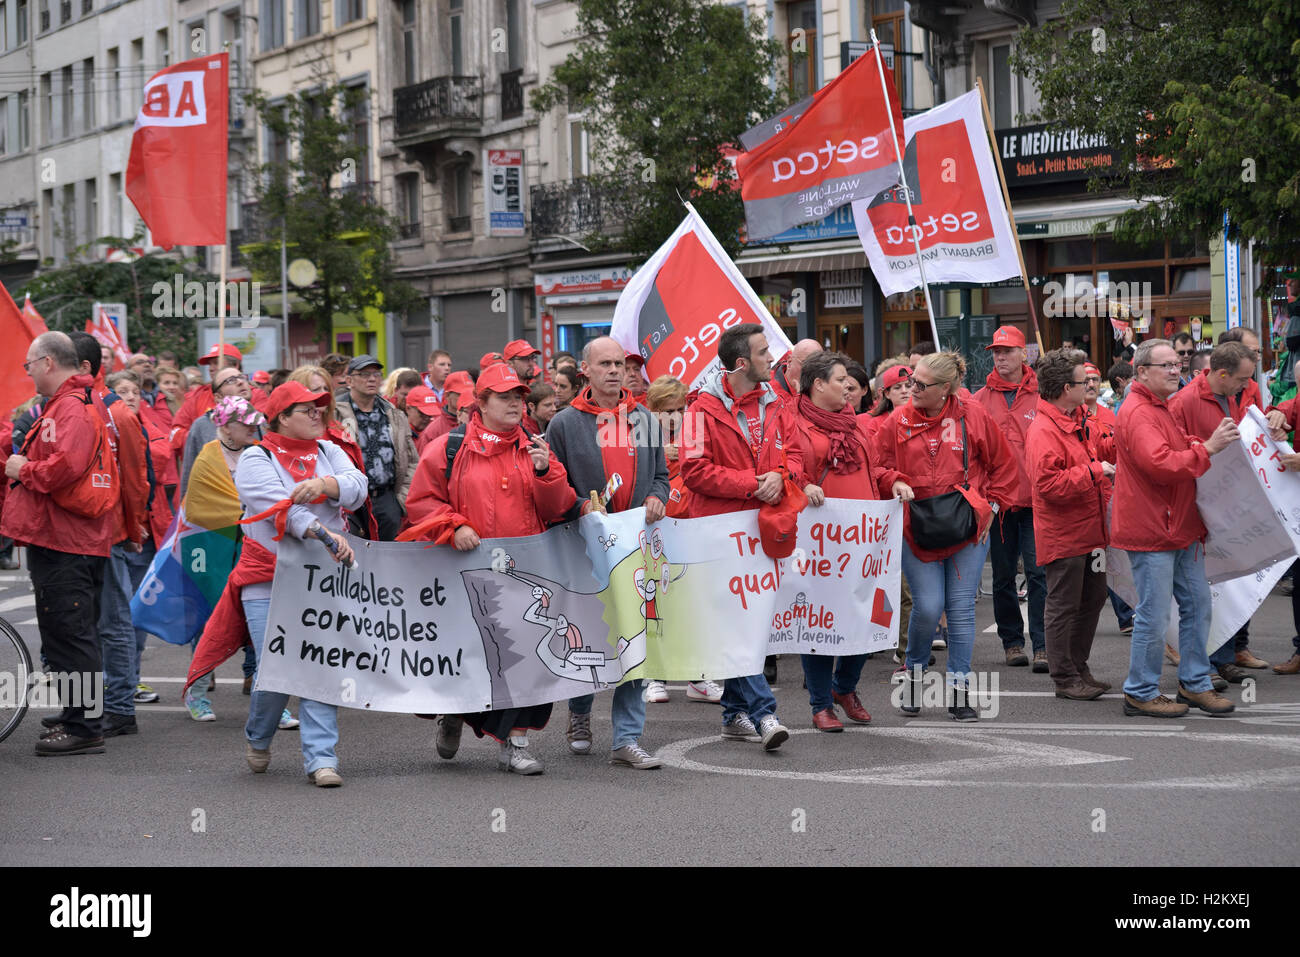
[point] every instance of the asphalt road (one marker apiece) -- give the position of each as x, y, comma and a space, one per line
1045, 782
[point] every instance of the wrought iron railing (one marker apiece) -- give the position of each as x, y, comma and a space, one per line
437, 102
580, 207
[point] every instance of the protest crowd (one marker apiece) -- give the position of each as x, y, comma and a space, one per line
1034, 471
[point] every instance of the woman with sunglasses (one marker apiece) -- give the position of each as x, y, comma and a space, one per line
895, 390
942, 443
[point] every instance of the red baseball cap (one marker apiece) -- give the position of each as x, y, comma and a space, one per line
521, 349
289, 394
894, 375
489, 359
634, 357
422, 398
778, 525
1009, 336
499, 378
1090, 369
227, 349
262, 377
458, 382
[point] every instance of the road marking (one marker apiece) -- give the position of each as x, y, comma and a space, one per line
14, 578
1008, 726
22, 601
181, 681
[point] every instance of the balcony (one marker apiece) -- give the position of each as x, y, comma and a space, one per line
582, 207
512, 95
444, 106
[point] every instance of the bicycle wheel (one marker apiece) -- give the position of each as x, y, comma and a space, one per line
15, 676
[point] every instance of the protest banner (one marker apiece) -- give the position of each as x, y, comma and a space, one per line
577, 609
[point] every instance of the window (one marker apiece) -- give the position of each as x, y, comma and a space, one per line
115, 204
88, 93
45, 16
24, 122
4, 25
357, 115
408, 42
801, 47
90, 194
87, 6
887, 21
69, 101
47, 223
346, 11
514, 36
68, 217
277, 151
162, 43
272, 24
4, 126
459, 198
137, 70
65, 11
232, 39
306, 19
1010, 94
455, 12
47, 108
407, 188
114, 84
579, 165
22, 22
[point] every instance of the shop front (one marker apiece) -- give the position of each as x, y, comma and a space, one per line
576, 306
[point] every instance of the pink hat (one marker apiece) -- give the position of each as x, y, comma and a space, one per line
235, 408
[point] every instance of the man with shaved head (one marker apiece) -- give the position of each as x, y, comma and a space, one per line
786, 375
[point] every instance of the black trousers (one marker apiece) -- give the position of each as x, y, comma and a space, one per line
388, 513
68, 589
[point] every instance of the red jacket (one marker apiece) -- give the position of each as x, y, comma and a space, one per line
720, 464
870, 482
160, 513
1069, 488
30, 514
493, 489
1154, 509
1101, 433
1197, 411
197, 401
1291, 409
872, 424
1013, 420
930, 459
133, 507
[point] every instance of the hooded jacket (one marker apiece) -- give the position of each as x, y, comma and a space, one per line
1070, 490
1013, 420
1197, 411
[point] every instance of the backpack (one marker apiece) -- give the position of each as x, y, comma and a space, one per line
456, 438
98, 491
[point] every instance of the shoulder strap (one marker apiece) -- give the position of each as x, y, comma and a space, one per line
455, 438
965, 452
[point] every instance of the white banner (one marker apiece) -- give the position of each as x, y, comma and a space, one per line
577, 609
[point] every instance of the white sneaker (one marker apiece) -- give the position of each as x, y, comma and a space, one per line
656, 692
774, 733
740, 728
579, 734
705, 690
515, 757
287, 721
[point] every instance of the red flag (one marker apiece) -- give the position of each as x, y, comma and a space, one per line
176, 176
17, 333
837, 151
34, 318
105, 330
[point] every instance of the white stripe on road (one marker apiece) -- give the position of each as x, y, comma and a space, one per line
22, 601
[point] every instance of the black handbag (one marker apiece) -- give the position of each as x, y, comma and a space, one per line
942, 521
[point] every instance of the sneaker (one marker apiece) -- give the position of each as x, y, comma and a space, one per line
200, 708
1126, 629
634, 756
579, 735
898, 657
656, 692
115, 724
1219, 682
774, 733
740, 728
910, 700
258, 759
1211, 702
514, 755
1041, 666
706, 690
1016, 656
1171, 654
144, 695
288, 722
1157, 707
448, 739
960, 709
326, 778
212, 681
1235, 674
940, 637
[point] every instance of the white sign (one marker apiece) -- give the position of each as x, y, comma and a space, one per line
115, 311
1232, 276
504, 172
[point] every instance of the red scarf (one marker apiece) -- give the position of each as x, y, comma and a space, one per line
296, 456
489, 441
618, 453
584, 402
842, 429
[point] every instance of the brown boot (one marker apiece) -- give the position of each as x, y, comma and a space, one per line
1289, 667
1088, 679
1246, 659
1211, 702
1079, 691
1157, 707
1171, 654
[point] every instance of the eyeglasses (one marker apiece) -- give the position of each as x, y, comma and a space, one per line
1167, 366
28, 363
311, 411
234, 378
369, 375
1078, 382
919, 386
1184, 352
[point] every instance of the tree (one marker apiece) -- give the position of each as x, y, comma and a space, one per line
664, 86
342, 229
1199, 99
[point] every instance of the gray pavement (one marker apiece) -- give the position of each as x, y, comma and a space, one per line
1046, 782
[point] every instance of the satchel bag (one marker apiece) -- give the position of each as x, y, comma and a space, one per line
942, 521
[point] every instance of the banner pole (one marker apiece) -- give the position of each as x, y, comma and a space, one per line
1006, 198
221, 302
907, 190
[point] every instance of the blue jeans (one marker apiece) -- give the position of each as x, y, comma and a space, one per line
1159, 578
626, 712
1123, 613
119, 640
319, 723
751, 695
948, 586
817, 672
1012, 538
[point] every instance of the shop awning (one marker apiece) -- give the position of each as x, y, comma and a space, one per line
803, 257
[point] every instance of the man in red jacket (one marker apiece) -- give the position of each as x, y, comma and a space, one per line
65, 552
1068, 484
739, 441
1010, 396
1222, 389
1154, 518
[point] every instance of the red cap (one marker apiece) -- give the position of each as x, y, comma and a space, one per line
262, 377
894, 375
499, 378
422, 398
289, 394
1009, 336
778, 525
521, 349
634, 357
1090, 369
228, 349
489, 359
458, 382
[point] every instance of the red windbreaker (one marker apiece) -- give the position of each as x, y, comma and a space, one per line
927, 451
1013, 420
721, 460
1291, 409
1154, 508
1069, 488
160, 513
30, 515
1197, 411
133, 507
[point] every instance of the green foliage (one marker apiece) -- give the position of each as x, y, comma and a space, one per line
331, 215
64, 296
1201, 101
665, 84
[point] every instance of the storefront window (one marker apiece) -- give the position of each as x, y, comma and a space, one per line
1070, 252
571, 338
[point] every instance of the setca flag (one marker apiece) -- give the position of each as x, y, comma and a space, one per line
837, 150
961, 221
176, 176
675, 308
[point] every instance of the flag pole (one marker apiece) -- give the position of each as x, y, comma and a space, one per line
221, 303
1006, 198
907, 190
